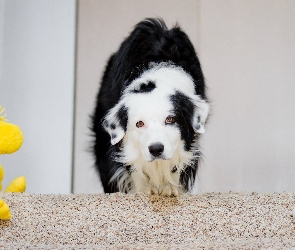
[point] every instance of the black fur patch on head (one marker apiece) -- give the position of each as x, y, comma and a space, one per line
152, 41
122, 117
184, 111
145, 87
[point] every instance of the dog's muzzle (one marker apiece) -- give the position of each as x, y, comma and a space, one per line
156, 150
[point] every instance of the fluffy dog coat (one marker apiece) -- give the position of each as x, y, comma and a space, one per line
150, 110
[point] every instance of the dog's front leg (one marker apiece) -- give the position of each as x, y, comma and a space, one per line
142, 184
169, 189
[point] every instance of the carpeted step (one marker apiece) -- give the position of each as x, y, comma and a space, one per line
136, 221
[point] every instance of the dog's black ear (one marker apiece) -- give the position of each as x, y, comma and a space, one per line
201, 113
115, 123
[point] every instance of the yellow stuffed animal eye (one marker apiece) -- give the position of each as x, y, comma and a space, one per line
139, 124
170, 119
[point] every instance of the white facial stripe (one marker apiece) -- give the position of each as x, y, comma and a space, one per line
147, 107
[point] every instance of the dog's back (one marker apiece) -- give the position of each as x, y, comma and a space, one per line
150, 41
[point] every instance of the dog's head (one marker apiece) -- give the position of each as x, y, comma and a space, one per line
158, 115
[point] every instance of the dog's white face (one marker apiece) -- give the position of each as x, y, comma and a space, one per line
151, 129
147, 119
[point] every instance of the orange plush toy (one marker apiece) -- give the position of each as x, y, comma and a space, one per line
11, 139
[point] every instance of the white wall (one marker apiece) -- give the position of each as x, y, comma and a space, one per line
247, 52
37, 90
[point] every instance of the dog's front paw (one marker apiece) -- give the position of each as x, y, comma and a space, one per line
169, 190
151, 190
163, 190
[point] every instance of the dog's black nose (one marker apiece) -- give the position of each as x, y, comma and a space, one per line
156, 149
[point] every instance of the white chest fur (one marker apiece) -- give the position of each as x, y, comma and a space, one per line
157, 177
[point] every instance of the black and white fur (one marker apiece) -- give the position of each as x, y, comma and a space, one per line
150, 110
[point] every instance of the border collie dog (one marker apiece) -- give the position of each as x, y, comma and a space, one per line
150, 111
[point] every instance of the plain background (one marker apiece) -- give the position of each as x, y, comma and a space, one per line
247, 52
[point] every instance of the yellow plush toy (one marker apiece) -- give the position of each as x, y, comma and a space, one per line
11, 139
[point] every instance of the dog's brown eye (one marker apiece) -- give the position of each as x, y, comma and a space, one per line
170, 119
139, 124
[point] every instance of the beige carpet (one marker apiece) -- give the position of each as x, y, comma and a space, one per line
135, 221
